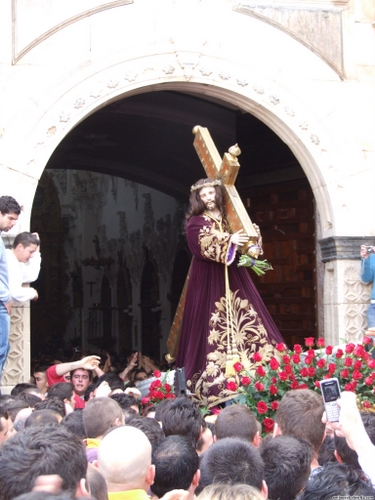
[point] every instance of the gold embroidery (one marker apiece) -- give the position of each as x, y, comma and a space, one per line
250, 336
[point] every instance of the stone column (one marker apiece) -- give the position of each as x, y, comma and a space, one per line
345, 296
17, 366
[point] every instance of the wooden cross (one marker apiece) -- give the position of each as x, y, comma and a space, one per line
226, 170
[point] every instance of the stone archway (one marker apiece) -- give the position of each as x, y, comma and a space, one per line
205, 68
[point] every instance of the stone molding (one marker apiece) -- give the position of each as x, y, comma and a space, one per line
343, 247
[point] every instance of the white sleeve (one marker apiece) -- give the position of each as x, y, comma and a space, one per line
30, 270
17, 291
366, 459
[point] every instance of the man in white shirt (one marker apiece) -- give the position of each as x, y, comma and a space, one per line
24, 261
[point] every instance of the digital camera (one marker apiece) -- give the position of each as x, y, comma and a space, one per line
369, 249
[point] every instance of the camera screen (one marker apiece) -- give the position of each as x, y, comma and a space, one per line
330, 391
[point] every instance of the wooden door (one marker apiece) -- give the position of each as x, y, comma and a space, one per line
285, 215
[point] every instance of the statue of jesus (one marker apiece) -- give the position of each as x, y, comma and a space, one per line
221, 316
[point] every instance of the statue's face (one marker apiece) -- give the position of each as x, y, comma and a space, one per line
208, 196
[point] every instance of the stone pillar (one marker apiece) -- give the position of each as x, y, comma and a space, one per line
345, 296
17, 366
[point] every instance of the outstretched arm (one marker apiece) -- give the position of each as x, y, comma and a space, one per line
87, 363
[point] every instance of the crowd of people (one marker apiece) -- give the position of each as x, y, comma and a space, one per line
78, 431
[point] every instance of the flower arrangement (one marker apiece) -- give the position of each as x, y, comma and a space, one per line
159, 390
262, 388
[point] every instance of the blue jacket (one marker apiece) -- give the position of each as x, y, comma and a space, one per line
368, 272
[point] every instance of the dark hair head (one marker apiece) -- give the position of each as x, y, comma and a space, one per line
42, 418
25, 239
114, 381
39, 451
8, 205
231, 461
17, 389
327, 451
182, 417
74, 423
125, 401
368, 420
175, 462
13, 407
236, 421
196, 205
150, 427
99, 415
61, 390
337, 480
96, 483
287, 465
300, 415
52, 403
30, 399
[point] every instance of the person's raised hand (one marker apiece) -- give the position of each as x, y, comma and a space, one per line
90, 362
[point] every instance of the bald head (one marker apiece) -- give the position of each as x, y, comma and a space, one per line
124, 459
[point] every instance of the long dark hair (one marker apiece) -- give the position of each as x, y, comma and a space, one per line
196, 205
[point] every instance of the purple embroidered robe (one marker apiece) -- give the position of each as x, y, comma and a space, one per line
203, 336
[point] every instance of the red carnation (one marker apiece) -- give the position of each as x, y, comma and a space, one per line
268, 425
321, 363
345, 373
159, 395
357, 375
309, 360
262, 407
349, 348
331, 367
359, 351
348, 362
274, 364
273, 390
257, 357
280, 347
286, 359
357, 365
231, 386
156, 384
295, 358
366, 356
145, 401
349, 387
311, 353
283, 376
167, 387
273, 380
371, 363
366, 340
157, 374
260, 371
170, 395
368, 381
311, 371
274, 405
366, 404
309, 341
320, 342
259, 386
297, 349
339, 353
288, 369
316, 383
238, 366
329, 349
245, 380
294, 385
304, 386
304, 372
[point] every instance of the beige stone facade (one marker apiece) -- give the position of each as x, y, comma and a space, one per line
305, 68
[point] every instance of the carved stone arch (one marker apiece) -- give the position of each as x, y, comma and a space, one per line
150, 308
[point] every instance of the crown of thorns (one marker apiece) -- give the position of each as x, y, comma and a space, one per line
194, 187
